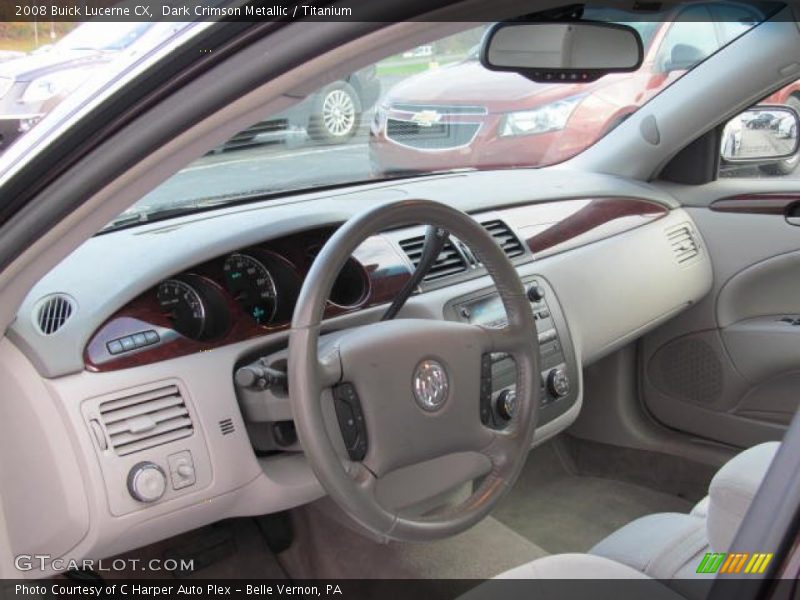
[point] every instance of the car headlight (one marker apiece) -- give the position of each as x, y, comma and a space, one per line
550, 117
45, 87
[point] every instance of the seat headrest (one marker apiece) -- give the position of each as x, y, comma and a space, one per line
732, 490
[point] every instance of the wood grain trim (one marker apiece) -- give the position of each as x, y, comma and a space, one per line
546, 227
552, 227
384, 269
759, 204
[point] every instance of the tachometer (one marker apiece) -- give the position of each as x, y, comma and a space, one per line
193, 306
253, 286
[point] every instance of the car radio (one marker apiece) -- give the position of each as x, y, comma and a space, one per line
498, 370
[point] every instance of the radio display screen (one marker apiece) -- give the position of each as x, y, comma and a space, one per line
488, 311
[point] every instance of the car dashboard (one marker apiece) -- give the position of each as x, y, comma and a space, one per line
140, 357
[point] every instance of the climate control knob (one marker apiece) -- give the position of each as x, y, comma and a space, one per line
558, 382
147, 482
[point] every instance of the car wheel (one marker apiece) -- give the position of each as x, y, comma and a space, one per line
786, 166
336, 114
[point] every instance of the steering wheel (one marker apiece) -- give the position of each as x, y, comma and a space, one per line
417, 382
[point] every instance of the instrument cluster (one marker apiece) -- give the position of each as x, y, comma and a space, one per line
257, 285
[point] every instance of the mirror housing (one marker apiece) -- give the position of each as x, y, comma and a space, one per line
570, 52
761, 134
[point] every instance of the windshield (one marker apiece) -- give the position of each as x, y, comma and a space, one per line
106, 37
434, 107
430, 108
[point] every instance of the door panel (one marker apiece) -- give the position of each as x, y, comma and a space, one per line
729, 368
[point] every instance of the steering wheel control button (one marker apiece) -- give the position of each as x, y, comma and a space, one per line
181, 470
351, 420
146, 482
430, 384
558, 382
506, 404
486, 389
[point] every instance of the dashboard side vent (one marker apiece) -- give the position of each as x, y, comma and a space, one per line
683, 243
504, 237
146, 419
449, 262
226, 426
53, 311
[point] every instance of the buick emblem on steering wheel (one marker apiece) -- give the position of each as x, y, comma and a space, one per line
430, 385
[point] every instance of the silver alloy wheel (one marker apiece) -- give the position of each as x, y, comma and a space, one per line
338, 113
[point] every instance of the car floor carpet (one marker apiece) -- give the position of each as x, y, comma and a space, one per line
232, 549
324, 547
561, 510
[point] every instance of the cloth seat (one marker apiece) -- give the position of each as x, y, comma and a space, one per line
671, 545
664, 546
570, 570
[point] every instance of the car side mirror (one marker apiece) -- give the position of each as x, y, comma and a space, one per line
683, 57
760, 135
568, 52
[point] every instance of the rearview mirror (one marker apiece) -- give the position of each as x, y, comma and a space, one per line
579, 51
762, 134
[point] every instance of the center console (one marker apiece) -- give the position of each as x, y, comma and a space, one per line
559, 370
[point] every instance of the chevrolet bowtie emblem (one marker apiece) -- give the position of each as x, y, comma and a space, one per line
426, 118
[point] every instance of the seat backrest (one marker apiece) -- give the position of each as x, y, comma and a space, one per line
732, 490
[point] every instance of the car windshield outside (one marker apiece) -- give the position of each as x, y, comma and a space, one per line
431, 108
107, 37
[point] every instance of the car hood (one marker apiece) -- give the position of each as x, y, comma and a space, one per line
469, 83
35, 65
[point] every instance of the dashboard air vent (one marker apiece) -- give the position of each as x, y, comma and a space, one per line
449, 262
53, 311
683, 243
146, 419
504, 237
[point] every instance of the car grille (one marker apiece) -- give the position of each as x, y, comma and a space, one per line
438, 136
453, 126
5, 85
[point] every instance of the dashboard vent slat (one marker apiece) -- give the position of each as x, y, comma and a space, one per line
683, 243
449, 262
504, 237
140, 421
52, 312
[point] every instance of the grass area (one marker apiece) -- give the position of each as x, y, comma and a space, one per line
22, 36
23, 45
397, 66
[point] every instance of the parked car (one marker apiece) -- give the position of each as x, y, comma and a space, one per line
10, 54
787, 128
464, 113
33, 84
331, 115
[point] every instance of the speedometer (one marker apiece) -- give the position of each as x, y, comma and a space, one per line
184, 305
253, 286
195, 308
